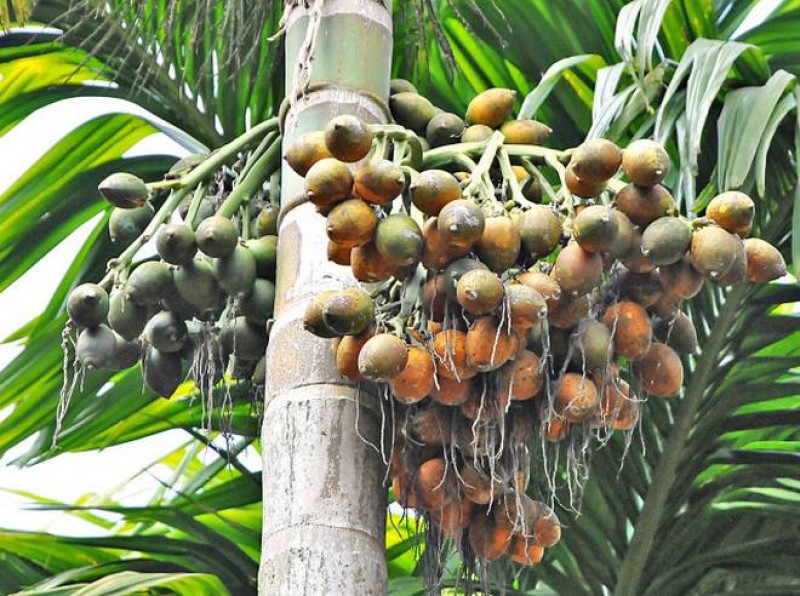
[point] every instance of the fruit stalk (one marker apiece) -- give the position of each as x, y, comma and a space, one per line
185, 185
262, 169
443, 155
508, 174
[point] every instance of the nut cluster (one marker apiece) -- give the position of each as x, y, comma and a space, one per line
512, 292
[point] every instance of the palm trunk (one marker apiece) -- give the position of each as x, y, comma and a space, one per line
324, 501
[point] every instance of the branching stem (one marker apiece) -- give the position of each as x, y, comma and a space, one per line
184, 186
508, 174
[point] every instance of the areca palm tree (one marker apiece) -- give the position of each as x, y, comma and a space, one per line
703, 500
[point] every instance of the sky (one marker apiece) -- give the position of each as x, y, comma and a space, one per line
70, 476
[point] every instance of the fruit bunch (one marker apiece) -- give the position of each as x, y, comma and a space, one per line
511, 293
200, 308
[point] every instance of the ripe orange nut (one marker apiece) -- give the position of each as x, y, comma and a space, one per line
416, 379
576, 397
660, 371
630, 327
450, 349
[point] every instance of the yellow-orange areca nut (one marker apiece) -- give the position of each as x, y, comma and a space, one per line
580, 187
435, 485
351, 223
596, 160
488, 541
347, 355
452, 518
764, 261
306, 150
312, 319
645, 162
476, 133
452, 392
517, 512
539, 230
478, 487
438, 253
369, 265
348, 138
713, 251
733, 211
644, 205
480, 292
383, 357
577, 271
492, 107
630, 328
522, 378
619, 408
548, 528
525, 552
576, 397
339, 253
329, 181
542, 283
433, 189
520, 174
525, 132
431, 426
660, 371
489, 345
403, 488
595, 229
461, 223
430, 483
450, 349
379, 182
555, 430
415, 381
499, 244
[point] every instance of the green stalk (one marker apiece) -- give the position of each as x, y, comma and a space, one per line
248, 185
221, 156
650, 518
395, 132
565, 193
194, 206
478, 178
198, 175
442, 155
263, 146
547, 188
508, 174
